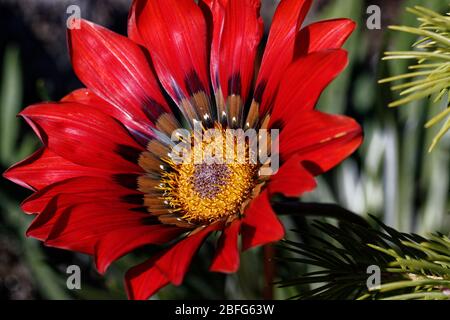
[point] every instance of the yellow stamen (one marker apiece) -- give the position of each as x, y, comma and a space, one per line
209, 191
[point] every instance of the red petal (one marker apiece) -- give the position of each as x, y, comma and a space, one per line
292, 180
118, 243
117, 70
216, 11
171, 265
322, 35
304, 82
239, 40
320, 139
44, 167
279, 51
61, 205
84, 136
227, 253
174, 32
144, 280
140, 130
133, 32
175, 262
260, 224
42, 225
79, 228
84, 188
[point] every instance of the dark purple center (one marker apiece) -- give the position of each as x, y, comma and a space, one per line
208, 179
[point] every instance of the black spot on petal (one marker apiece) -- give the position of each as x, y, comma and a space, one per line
129, 181
193, 83
153, 109
136, 199
235, 84
141, 138
130, 154
279, 124
259, 91
150, 220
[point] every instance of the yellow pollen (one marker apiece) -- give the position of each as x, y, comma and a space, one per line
211, 183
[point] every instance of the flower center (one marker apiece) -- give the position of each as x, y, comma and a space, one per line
208, 180
202, 189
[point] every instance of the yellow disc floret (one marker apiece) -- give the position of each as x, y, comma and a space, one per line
206, 187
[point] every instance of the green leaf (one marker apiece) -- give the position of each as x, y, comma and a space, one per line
10, 103
412, 267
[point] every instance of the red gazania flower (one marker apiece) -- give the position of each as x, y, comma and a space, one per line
103, 181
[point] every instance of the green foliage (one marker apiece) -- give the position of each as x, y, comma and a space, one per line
431, 75
10, 100
11, 150
411, 266
392, 175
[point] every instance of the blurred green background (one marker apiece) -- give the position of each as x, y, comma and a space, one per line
392, 176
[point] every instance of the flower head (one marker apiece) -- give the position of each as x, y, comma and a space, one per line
108, 179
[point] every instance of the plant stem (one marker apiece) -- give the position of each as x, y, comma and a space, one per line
269, 271
293, 206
